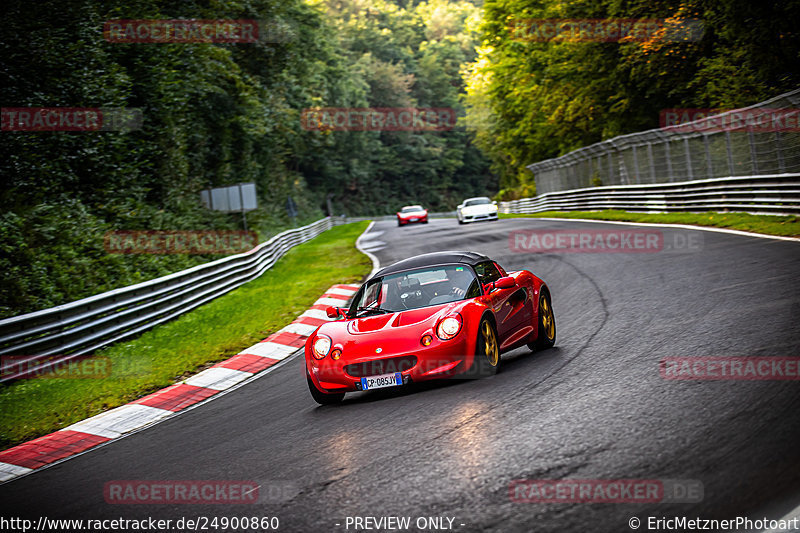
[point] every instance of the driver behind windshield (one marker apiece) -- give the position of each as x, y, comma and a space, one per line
416, 289
460, 280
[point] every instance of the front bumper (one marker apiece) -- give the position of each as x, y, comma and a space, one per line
413, 220
479, 216
439, 360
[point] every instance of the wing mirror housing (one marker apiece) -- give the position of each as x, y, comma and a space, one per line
506, 282
333, 312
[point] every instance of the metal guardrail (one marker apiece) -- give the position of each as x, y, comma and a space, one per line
776, 194
53, 336
695, 150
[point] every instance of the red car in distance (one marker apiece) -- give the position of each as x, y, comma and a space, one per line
431, 316
412, 213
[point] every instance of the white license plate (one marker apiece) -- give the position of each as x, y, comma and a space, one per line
412, 219
379, 382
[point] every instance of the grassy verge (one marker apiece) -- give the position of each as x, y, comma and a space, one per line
788, 226
173, 351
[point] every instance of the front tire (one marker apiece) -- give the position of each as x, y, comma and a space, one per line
487, 352
323, 398
546, 332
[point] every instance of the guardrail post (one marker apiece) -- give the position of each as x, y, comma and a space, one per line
668, 155
709, 162
753, 157
688, 158
652, 163
636, 164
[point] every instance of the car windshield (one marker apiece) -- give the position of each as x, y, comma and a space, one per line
414, 289
411, 209
477, 201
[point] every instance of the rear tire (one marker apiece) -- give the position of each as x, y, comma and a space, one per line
546, 331
323, 398
487, 352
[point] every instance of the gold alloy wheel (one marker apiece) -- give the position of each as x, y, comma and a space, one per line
490, 343
546, 312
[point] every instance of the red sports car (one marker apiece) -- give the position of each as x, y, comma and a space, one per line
412, 213
431, 316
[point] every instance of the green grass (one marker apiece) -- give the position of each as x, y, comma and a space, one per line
788, 226
173, 351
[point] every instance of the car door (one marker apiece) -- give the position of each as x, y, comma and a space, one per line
488, 273
511, 307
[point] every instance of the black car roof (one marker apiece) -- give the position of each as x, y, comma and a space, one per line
435, 258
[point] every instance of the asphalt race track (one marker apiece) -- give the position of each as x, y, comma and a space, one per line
593, 407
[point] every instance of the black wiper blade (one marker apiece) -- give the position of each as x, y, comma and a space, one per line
378, 310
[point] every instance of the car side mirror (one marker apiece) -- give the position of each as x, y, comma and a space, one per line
333, 312
460, 206
494, 203
506, 282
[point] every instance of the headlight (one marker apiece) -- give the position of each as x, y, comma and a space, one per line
449, 327
321, 346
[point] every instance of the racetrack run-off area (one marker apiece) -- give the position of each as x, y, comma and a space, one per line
595, 406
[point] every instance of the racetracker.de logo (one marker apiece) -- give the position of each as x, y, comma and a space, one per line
70, 119
54, 367
606, 30
179, 242
586, 241
180, 492
181, 31
757, 120
378, 119
730, 368
605, 491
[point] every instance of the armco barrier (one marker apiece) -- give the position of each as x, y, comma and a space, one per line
775, 194
67, 331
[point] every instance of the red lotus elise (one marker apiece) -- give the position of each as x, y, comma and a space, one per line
411, 214
431, 316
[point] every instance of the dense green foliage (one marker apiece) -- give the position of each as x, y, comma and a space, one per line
530, 100
214, 115
396, 56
